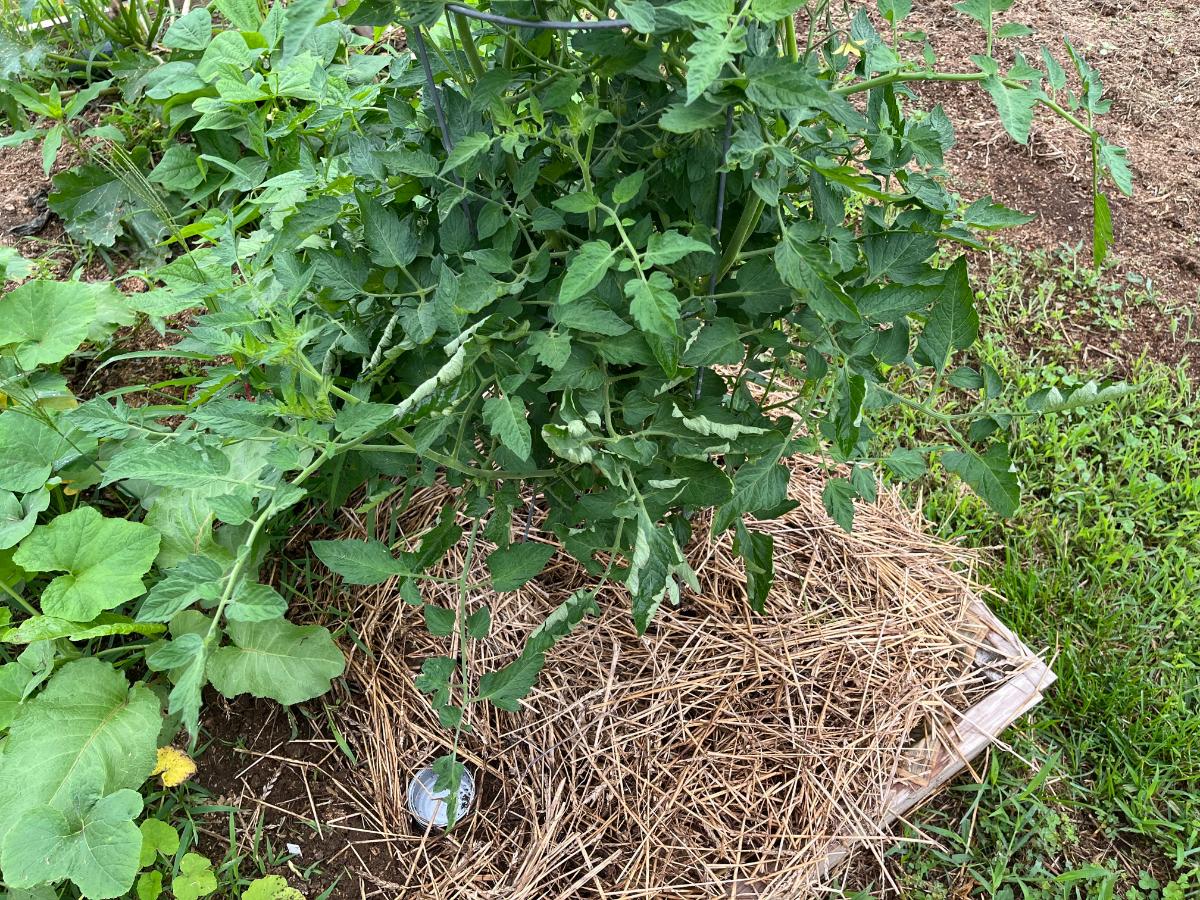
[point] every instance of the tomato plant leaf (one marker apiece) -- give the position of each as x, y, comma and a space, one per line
507, 420
514, 565
990, 475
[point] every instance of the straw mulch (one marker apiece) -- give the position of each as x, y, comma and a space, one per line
722, 754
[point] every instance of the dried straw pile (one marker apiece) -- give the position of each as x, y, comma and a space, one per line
723, 754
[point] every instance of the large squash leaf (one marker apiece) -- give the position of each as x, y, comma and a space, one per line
97, 848
288, 663
46, 321
88, 735
104, 559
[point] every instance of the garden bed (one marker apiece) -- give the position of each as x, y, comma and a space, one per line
723, 752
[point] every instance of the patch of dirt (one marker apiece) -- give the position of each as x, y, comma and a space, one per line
285, 776
1148, 55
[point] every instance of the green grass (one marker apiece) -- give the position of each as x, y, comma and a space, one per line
1101, 565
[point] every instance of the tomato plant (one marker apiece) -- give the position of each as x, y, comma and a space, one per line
620, 263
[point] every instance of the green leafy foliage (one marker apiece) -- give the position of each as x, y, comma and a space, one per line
104, 560
69, 769
276, 659
617, 280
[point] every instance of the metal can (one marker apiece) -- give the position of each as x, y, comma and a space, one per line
428, 806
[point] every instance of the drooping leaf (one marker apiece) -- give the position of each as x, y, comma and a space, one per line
838, 499
1102, 229
105, 560
953, 323
507, 420
990, 475
757, 550
1015, 106
276, 659
655, 556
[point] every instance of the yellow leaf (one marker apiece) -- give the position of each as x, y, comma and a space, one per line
174, 766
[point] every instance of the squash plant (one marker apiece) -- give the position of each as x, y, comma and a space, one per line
618, 267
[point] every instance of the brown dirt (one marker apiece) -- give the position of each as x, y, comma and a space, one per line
285, 775
1148, 55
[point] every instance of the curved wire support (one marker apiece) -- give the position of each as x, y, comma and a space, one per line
550, 25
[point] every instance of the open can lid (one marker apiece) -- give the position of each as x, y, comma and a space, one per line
428, 806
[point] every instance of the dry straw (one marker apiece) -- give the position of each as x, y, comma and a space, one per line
723, 753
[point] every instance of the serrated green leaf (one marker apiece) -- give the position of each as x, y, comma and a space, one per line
590, 315
706, 12
104, 559
627, 188
393, 241
49, 628
671, 246
654, 305
551, 349
439, 621
700, 115
905, 463
838, 499
990, 475
276, 659
479, 623
360, 562
1102, 229
710, 52
254, 602
953, 323
587, 268
1015, 106
987, 213
757, 551
507, 421
195, 578
514, 565
1113, 161
465, 150
716, 343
